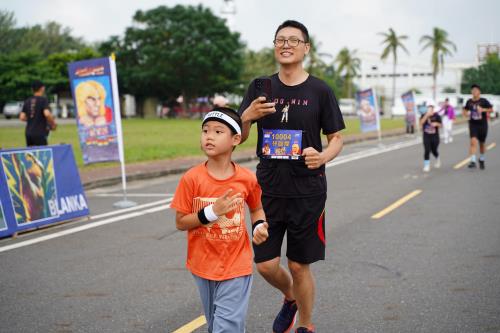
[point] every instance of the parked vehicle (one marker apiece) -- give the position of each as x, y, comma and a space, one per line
12, 109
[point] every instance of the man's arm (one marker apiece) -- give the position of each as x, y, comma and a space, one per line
22, 116
315, 159
50, 119
256, 110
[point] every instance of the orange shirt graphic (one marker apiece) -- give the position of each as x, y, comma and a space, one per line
220, 250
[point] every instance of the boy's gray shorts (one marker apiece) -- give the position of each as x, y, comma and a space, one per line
225, 303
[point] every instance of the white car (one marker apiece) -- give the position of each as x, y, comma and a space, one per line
12, 109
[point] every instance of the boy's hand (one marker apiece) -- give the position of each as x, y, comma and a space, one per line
226, 203
258, 109
260, 233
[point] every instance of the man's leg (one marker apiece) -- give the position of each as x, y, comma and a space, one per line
304, 290
277, 276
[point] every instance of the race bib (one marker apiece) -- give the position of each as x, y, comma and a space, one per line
282, 144
474, 114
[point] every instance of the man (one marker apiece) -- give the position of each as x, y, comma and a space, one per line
476, 109
448, 113
37, 115
294, 187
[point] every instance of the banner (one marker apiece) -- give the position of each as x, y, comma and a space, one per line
410, 107
95, 94
368, 110
39, 186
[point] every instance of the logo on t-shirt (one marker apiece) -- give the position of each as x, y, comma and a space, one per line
227, 227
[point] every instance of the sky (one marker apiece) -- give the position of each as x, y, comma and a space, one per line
334, 23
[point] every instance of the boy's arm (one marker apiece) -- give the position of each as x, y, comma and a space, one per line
187, 221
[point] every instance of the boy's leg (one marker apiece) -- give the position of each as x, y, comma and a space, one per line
231, 304
207, 294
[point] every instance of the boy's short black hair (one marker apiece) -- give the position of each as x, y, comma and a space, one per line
475, 86
294, 24
36, 85
231, 113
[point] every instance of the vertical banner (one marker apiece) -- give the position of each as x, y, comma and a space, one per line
366, 101
410, 108
95, 94
39, 186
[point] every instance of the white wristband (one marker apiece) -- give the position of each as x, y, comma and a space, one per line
210, 214
257, 227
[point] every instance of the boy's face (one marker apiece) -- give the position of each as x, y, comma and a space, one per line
286, 54
217, 139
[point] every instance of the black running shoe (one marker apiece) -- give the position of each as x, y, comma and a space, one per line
309, 329
472, 165
481, 165
286, 317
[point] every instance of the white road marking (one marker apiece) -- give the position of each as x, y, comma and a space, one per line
125, 210
131, 195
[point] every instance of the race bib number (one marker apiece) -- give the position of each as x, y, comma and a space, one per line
282, 144
474, 114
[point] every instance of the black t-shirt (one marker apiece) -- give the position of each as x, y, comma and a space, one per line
36, 121
312, 108
427, 128
477, 118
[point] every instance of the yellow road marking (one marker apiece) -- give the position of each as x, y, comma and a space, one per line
465, 161
190, 327
396, 204
461, 163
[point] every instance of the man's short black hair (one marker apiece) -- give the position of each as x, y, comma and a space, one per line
294, 24
36, 85
475, 86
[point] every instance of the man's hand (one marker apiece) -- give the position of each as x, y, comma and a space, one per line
258, 109
313, 158
226, 203
260, 233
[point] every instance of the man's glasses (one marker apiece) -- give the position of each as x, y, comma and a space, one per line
292, 42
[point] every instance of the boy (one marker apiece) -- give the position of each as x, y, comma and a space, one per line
209, 201
477, 110
430, 122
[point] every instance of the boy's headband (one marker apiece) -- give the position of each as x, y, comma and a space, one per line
223, 118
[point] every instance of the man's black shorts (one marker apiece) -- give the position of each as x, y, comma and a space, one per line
303, 220
36, 140
479, 131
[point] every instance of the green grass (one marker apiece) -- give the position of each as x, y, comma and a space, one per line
153, 139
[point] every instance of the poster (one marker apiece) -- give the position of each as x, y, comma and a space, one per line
39, 186
410, 107
282, 144
97, 113
368, 110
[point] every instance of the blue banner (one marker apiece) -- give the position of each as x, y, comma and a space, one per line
410, 107
96, 113
39, 186
368, 110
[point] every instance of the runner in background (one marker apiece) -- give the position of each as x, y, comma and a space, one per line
430, 122
448, 116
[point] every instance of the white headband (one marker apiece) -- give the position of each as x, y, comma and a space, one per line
222, 116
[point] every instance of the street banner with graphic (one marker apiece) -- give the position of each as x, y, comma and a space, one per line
368, 113
97, 108
410, 107
39, 186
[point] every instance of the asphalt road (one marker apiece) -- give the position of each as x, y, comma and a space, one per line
430, 265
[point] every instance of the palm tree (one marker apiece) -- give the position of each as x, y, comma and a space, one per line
392, 43
315, 64
348, 64
440, 45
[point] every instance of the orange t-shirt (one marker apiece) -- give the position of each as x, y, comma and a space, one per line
220, 250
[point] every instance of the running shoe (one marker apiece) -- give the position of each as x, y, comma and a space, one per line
309, 329
427, 168
437, 165
472, 165
481, 165
286, 317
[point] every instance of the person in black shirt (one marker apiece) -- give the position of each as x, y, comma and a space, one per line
476, 109
430, 122
291, 171
37, 115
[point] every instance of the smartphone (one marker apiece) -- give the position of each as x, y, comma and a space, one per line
263, 88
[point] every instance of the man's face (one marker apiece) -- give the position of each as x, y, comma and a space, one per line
475, 92
290, 54
93, 104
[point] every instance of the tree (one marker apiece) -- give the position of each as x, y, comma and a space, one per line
392, 43
178, 50
349, 65
441, 46
487, 76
